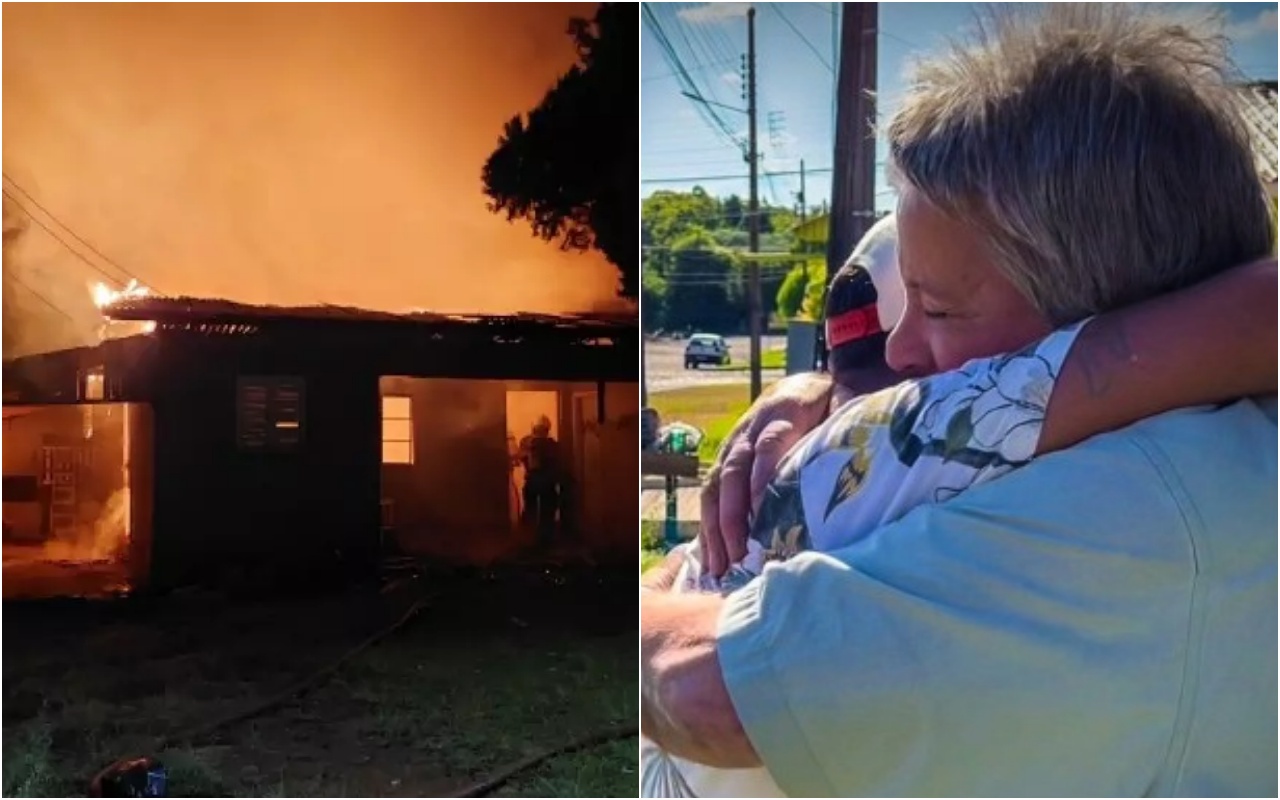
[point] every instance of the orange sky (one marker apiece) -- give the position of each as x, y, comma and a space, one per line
286, 153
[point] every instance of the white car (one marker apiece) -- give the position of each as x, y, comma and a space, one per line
706, 348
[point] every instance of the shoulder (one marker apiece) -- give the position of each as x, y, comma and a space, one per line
1075, 577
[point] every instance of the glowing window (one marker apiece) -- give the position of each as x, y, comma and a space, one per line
397, 430
94, 384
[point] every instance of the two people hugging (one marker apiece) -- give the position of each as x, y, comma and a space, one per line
1022, 538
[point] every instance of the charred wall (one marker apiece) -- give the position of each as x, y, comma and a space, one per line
218, 502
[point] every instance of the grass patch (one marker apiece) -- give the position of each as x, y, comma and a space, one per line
649, 558
769, 359
713, 409
28, 764
651, 550
498, 700
495, 671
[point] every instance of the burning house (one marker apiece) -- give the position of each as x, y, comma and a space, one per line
222, 436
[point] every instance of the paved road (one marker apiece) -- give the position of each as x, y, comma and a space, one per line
664, 364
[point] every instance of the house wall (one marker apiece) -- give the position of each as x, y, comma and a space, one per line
218, 505
454, 501
213, 505
609, 523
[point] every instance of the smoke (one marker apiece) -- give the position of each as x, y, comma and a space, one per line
282, 153
40, 313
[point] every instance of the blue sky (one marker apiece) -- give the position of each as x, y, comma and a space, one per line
795, 55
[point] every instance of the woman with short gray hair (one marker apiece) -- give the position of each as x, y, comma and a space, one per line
1100, 622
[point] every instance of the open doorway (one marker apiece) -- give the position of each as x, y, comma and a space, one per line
530, 415
68, 521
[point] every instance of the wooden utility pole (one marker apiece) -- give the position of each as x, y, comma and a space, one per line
753, 209
853, 176
804, 214
853, 181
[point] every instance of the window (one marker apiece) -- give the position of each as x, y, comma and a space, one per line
94, 384
269, 412
397, 430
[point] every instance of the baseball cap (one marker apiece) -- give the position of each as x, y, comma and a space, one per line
877, 252
865, 297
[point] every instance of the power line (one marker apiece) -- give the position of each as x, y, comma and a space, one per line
62, 241
708, 178
683, 78
777, 9
900, 40
13, 276
67, 228
706, 65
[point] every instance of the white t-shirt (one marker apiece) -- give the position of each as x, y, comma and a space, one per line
867, 465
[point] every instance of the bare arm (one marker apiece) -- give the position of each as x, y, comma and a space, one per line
779, 418
684, 703
1210, 343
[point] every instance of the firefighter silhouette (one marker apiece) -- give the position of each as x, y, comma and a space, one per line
539, 453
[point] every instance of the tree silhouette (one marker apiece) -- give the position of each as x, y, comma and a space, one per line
570, 168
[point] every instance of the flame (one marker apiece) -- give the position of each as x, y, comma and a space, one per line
104, 295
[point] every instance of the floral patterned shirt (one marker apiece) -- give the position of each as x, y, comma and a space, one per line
867, 465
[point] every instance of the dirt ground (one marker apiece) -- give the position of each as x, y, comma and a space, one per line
497, 667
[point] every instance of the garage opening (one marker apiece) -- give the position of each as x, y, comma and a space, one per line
70, 523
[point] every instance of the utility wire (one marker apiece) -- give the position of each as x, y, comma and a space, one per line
685, 81
706, 65
13, 276
899, 39
777, 9
696, 178
61, 241
69, 230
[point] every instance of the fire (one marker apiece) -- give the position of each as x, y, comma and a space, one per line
104, 295
68, 529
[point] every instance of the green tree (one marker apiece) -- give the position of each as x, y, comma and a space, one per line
666, 216
791, 293
653, 300
701, 286
732, 212
569, 169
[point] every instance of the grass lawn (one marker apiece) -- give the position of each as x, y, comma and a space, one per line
649, 558
651, 550
479, 680
713, 409
769, 359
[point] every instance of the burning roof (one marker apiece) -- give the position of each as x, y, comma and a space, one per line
186, 312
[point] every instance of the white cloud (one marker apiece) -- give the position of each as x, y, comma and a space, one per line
713, 13
732, 78
1263, 24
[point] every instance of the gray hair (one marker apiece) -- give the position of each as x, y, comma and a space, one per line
1098, 149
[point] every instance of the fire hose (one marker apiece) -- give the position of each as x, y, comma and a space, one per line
103, 779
